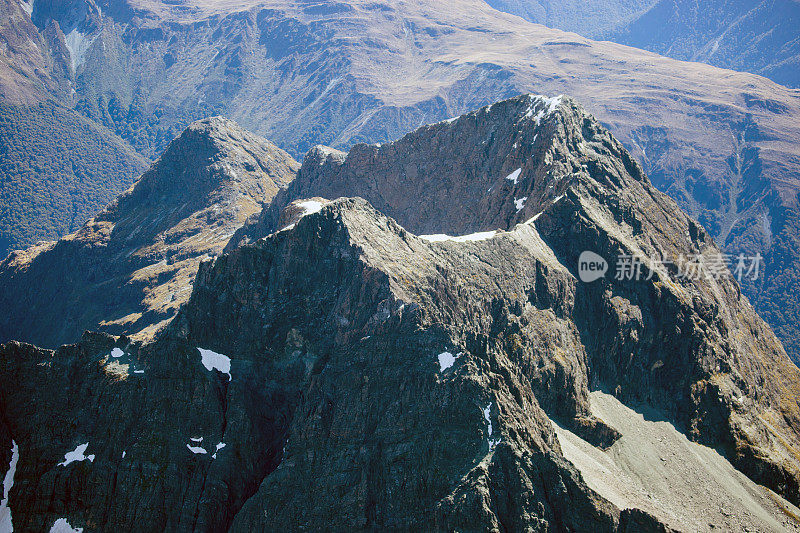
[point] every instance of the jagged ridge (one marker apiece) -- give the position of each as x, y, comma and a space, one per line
586, 193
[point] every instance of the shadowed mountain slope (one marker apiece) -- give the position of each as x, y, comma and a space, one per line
130, 268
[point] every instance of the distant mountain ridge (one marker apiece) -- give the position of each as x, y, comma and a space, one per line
593, 18
759, 37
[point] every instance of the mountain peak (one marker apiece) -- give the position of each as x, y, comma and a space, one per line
543, 162
491, 168
149, 241
219, 130
480, 311
210, 154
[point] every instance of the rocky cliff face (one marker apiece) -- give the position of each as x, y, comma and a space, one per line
525, 158
482, 171
345, 373
130, 268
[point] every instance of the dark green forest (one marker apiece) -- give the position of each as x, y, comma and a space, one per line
57, 169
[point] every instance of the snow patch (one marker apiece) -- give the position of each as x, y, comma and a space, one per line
117, 353
78, 44
218, 448
548, 107
446, 121
196, 449
514, 176
310, 207
77, 455
216, 361
62, 526
487, 411
537, 215
6, 525
473, 237
520, 204
446, 360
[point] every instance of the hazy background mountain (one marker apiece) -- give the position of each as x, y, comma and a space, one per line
57, 167
723, 144
760, 37
592, 18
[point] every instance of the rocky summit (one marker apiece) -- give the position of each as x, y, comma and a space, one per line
427, 357
482, 171
130, 268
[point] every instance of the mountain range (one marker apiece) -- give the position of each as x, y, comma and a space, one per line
136, 73
759, 37
364, 363
408, 292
